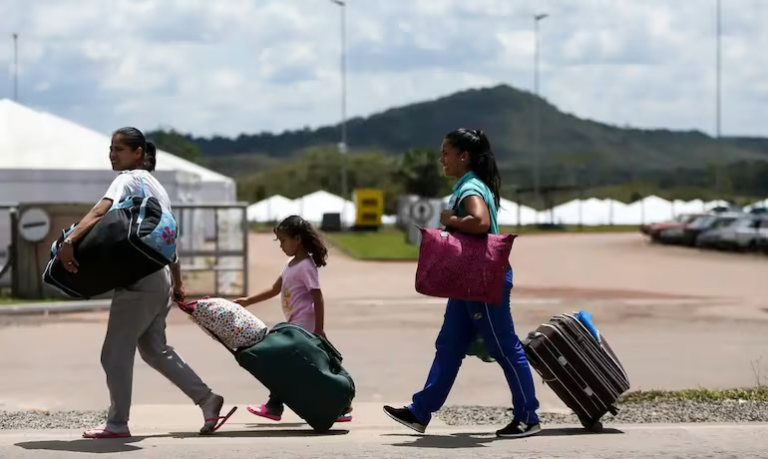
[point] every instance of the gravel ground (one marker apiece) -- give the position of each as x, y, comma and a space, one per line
682, 411
636, 413
34, 420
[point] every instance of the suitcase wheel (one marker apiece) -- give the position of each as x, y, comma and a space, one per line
592, 426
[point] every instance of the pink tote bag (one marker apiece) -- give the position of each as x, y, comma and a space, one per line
463, 266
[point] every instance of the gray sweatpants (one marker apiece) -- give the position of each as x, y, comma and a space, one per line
137, 319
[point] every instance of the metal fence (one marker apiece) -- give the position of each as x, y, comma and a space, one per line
213, 248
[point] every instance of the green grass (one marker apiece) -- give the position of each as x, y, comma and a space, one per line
386, 244
532, 229
262, 227
390, 243
7, 300
758, 393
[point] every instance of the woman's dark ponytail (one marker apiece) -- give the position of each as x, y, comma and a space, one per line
150, 157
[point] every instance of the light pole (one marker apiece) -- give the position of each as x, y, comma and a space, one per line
536, 122
718, 100
15, 66
343, 146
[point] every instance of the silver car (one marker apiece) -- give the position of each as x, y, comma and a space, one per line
744, 234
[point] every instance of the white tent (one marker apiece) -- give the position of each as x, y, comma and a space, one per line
312, 207
688, 207
590, 211
510, 212
757, 205
714, 204
272, 209
647, 210
48, 146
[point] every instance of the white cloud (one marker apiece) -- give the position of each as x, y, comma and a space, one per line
235, 66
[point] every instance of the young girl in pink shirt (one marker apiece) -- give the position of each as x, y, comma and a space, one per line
299, 289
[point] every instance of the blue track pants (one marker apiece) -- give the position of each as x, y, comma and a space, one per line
463, 320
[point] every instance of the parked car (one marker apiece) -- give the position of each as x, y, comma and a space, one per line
690, 232
713, 238
742, 234
762, 243
653, 230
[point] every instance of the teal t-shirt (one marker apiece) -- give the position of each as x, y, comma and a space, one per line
471, 185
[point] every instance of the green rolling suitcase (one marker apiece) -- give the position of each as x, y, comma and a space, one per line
304, 371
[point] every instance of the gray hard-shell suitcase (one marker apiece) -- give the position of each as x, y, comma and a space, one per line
579, 365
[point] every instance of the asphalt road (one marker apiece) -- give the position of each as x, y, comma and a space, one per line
657, 442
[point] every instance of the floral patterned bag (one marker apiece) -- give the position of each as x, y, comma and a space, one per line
233, 325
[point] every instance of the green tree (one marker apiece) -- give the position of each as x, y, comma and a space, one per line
419, 172
177, 144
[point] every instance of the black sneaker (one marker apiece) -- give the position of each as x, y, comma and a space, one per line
518, 429
405, 417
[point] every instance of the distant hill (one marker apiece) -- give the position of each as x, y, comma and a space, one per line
507, 115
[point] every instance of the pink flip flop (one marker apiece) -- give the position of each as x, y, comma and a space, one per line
344, 418
263, 412
221, 420
101, 433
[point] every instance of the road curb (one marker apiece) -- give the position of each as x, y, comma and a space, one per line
60, 307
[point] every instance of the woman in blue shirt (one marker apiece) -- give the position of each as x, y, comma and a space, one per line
466, 154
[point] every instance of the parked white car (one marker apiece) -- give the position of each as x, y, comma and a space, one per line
746, 233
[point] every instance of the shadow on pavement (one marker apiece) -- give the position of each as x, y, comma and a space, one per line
281, 425
112, 445
477, 440
124, 445
567, 431
271, 433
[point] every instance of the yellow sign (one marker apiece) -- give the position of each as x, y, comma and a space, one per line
369, 207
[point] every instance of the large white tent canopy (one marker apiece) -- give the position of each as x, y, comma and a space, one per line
44, 144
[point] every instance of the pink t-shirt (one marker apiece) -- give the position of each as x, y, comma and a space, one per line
298, 282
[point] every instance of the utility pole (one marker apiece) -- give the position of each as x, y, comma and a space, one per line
15, 66
343, 145
718, 101
536, 121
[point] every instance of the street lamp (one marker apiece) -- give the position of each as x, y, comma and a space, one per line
343, 146
718, 103
15, 66
536, 122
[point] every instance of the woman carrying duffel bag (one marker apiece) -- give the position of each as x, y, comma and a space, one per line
137, 315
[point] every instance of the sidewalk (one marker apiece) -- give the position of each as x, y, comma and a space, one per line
169, 431
54, 307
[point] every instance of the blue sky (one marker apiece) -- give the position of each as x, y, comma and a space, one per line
234, 66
